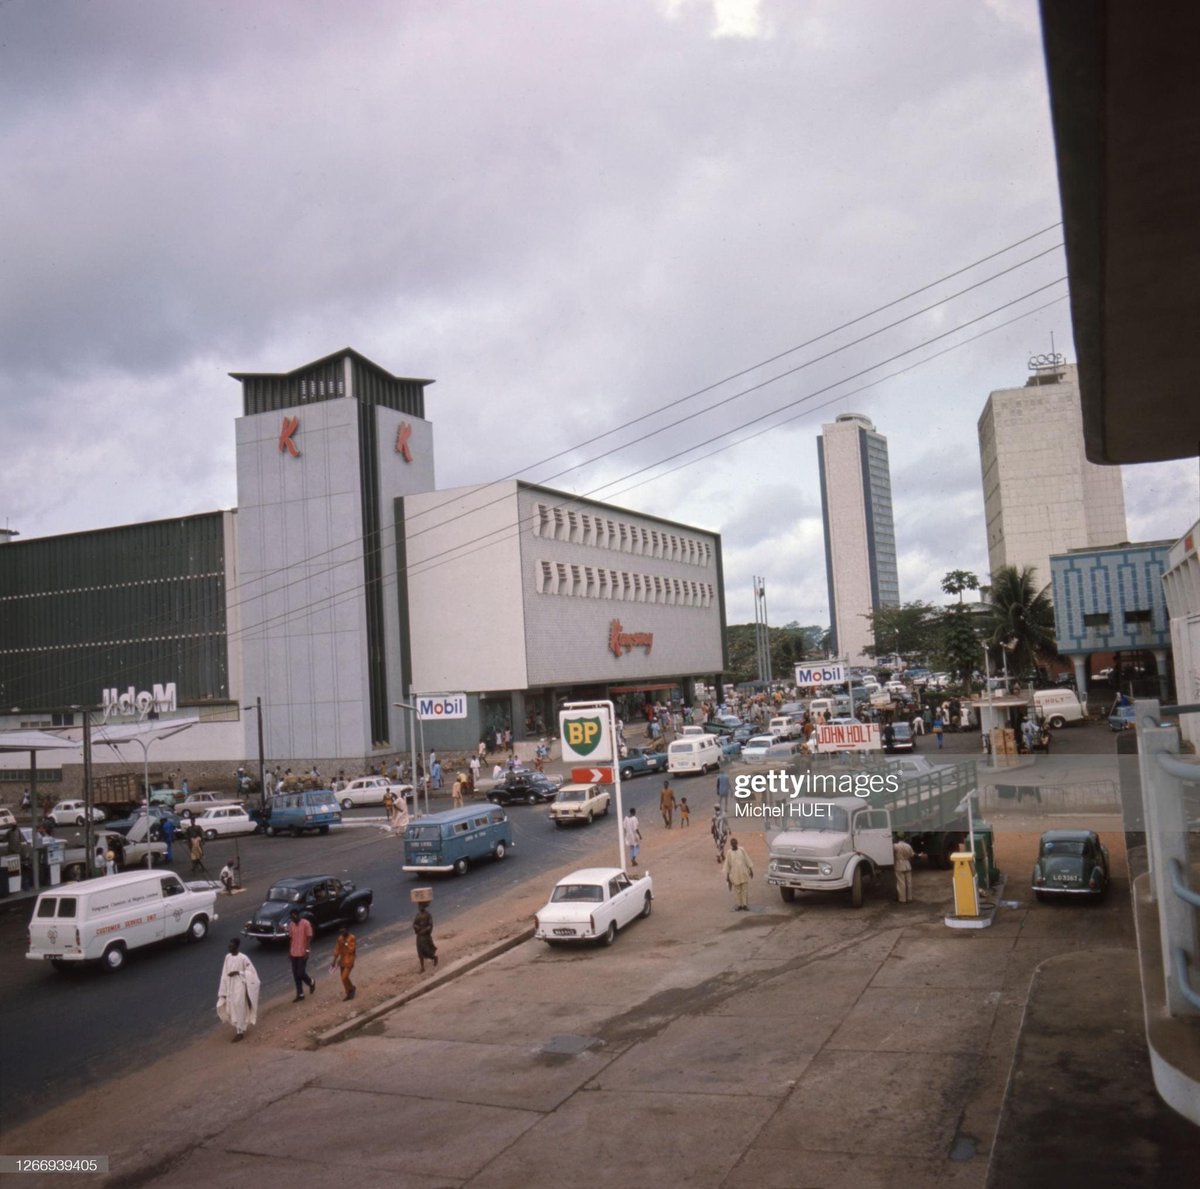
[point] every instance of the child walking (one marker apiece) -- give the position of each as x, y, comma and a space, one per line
685, 814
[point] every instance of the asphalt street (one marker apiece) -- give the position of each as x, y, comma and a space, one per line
65, 1032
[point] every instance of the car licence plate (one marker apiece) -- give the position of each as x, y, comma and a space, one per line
564, 932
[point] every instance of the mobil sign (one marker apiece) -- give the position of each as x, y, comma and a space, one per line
855, 736
820, 675
442, 706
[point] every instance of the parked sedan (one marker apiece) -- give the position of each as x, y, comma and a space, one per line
760, 749
525, 788
323, 900
197, 803
902, 737
73, 813
1071, 863
226, 819
592, 904
641, 761
160, 815
371, 790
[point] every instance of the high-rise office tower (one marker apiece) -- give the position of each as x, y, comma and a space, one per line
1040, 494
860, 538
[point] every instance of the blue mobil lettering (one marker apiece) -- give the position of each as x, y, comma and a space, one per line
455, 707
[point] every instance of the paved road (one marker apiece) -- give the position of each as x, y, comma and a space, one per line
65, 1032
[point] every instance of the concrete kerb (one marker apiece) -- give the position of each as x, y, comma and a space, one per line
342, 1031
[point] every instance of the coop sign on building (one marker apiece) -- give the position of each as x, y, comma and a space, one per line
442, 706
160, 698
819, 675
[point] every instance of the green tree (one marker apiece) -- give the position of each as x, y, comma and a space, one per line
905, 629
959, 644
1020, 619
788, 646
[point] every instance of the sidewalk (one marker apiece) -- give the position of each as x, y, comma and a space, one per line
790, 1046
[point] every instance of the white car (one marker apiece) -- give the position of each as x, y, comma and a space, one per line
579, 803
225, 819
197, 803
592, 904
73, 813
371, 790
759, 749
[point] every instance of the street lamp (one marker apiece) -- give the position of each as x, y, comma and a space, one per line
262, 783
412, 744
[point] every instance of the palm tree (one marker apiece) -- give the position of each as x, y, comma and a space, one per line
956, 581
1020, 618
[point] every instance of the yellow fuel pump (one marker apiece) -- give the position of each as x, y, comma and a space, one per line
966, 894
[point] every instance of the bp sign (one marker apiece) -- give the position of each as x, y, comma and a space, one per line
586, 735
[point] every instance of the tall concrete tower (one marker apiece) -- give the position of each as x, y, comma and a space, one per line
860, 537
1040, 494
323, 452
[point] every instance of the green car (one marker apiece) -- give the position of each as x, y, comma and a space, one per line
1071, 863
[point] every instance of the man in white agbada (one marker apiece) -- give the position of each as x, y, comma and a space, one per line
398, 818
237, 994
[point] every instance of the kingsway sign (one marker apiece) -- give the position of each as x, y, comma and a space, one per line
161, 699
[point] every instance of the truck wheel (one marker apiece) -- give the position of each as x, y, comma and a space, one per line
788, 895
269, 831
461, 866
114, 958
361, 912
950, 844
1057, 722
646, 908
500, 851
610, 934
198, 929
856, 888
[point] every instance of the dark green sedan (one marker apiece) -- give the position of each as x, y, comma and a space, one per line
1070, 863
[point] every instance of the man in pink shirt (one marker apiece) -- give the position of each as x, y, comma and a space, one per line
299, 943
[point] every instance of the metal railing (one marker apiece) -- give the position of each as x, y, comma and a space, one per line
1164, 778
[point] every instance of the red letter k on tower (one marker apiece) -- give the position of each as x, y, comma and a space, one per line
290, 425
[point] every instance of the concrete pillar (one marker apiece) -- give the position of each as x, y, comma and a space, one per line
1080, 661
1160, 663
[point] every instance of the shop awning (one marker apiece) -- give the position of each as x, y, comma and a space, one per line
643, 689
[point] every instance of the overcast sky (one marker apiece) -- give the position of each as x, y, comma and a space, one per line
569, 215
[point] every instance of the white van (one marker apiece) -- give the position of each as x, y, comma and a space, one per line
101, 920
696, 753
1058, 707
784, 727
819, 708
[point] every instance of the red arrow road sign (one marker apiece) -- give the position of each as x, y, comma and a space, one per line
591, 775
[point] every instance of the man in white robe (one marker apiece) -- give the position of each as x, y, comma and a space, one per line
237, 994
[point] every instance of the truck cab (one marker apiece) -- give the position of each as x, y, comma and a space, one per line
836, 844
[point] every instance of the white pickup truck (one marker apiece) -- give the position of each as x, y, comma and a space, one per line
593, 904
